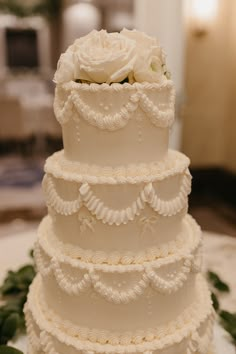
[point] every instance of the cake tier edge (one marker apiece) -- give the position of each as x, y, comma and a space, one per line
96, 118
189, 334
60, 167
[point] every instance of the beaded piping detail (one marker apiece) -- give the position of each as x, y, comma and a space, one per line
200, 343
115, 87
60, 167
186, 326
117, 258
69, 104
33, 330
117, 217
88, 275
189, 243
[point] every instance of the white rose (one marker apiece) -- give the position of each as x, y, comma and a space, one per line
142, 40
150, 59
103, 57
111, 57
149, 68
65, 68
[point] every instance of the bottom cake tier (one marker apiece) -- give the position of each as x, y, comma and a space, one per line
189, 333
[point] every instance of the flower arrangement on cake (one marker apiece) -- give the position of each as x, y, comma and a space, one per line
101, 57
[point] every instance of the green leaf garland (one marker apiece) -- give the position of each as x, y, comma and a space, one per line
218, 284
13, 293
4, 349
227, 319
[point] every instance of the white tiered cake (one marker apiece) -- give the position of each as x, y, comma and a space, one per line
119, 258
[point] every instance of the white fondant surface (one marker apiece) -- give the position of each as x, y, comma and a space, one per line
14, 252
115, 125
119, 255
96, 295
141, 143
92, 311
148, 228
198, 319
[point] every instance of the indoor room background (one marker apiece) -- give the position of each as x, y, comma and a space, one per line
199, 38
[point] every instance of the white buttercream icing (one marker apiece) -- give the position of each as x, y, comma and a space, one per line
187, 328
110, 216
118, 256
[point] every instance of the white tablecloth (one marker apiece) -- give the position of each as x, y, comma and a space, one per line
219, 256
28, 104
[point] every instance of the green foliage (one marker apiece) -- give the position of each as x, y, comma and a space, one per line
9, 327
228, 321
79, 81
9, 350
166, 72
215, 302
31, 253
19, 281
47, 8
14, 292
217, 283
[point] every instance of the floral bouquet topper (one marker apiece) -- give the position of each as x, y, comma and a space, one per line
101, 57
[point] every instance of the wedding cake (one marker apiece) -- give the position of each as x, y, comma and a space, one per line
118, 257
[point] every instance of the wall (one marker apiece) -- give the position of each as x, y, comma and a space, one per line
209, 137
163, 19
230, 151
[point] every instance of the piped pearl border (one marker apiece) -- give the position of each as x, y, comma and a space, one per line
49, 261
68, 104
60, 167
190, 227
49, 249
186, 327
116, 87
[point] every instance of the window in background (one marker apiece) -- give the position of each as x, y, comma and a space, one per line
22, 49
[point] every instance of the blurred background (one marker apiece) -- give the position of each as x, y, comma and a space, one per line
199, 37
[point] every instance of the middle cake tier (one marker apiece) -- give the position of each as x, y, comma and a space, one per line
133, 210
91, 294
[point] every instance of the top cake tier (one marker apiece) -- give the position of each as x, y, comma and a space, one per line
117, 124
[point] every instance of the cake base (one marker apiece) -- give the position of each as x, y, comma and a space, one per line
31, 351
188, 334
